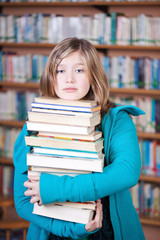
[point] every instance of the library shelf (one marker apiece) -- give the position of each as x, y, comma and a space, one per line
14, 224
145, 135
97, 46
116, 91
77, 4
151, 179
6, 201
151, 221
136, 92
12, 123
6, 161
26, 85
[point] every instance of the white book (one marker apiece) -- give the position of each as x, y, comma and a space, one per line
66, 163
68, 153
63, 112
52, 28
34, 126
10, 28
63, 119
64, 213
134, 30
90, 137
50, 142
114, 72
36, 171
3, 27
107, 34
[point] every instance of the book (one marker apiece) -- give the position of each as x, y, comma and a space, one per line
59, 101
36, 126
63, 112
65, 107
36, 171
90, 137
65, 162
63, 212
63, 119
68, 152
64, 143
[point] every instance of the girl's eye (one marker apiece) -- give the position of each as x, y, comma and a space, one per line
60, 71
79, 70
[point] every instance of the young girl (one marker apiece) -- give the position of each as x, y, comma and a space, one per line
74, 71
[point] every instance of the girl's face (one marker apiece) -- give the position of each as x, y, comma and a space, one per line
72, 81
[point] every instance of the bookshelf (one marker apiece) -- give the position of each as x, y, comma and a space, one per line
130, 8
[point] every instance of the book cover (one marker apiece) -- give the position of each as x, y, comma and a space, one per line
58, 101
68, 152
64, 212
63, 119
35, 126
68, 108
63, 112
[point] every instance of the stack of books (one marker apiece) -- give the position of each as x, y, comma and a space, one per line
64, 141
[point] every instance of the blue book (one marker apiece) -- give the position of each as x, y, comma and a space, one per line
120, 71
68, 152
154, 82
136, 73
34, 67
113, 28
158, 160
45, 58
39, 27
106, 64
157, 115
141, 72
147, 156
158, 74
153, 113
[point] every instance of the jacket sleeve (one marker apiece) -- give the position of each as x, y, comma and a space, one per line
122, 173
22, 203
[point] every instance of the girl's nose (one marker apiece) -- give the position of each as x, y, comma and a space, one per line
70, 78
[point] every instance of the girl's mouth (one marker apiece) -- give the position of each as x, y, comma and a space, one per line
70, 90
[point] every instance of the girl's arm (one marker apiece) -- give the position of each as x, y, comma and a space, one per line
121, 174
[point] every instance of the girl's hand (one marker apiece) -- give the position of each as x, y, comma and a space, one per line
33, 189
97, 221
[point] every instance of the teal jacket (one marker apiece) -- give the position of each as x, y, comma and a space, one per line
121, 173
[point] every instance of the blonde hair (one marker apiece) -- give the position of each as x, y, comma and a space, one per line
99, 89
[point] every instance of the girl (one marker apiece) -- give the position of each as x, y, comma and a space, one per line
74, 71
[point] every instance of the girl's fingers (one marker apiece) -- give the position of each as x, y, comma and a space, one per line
28, 184
96, 223
33, 178
34, 199
29, 192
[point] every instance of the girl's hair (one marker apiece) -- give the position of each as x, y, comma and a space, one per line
99, 89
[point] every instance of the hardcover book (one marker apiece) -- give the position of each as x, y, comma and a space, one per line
66, 213
64, 143
63, 119
37, 126
90, 137
84, 164
68, 152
